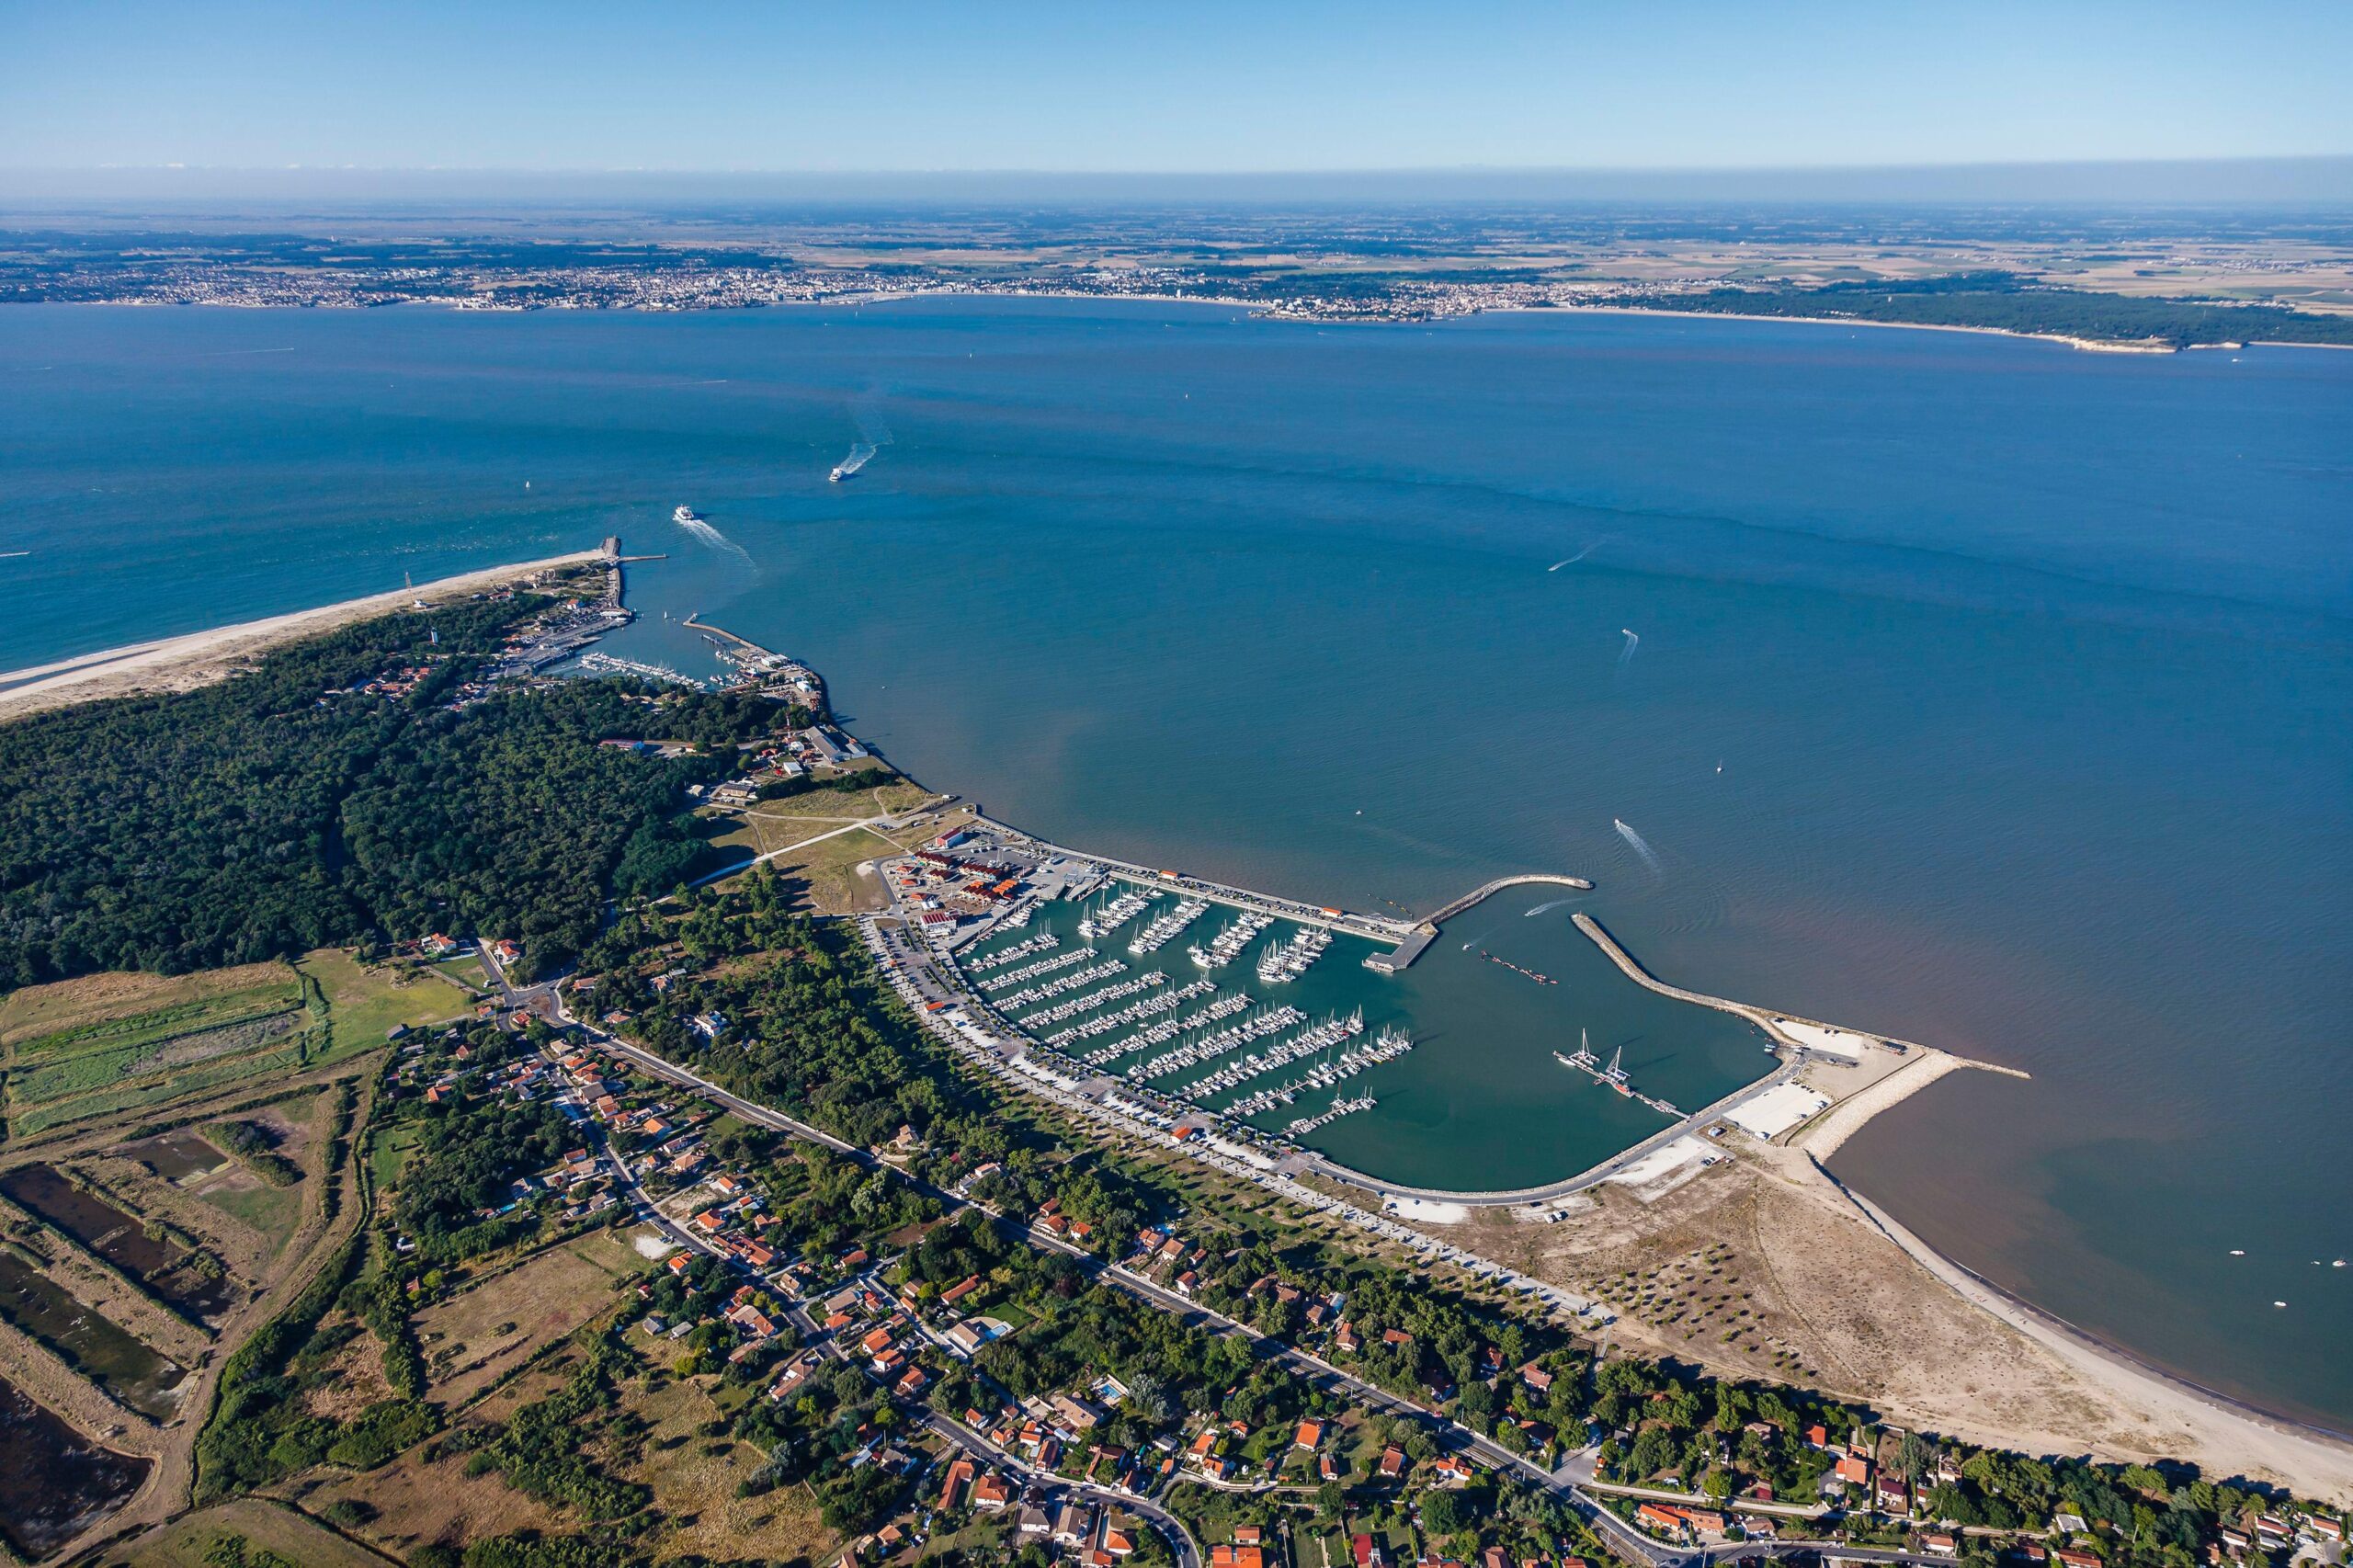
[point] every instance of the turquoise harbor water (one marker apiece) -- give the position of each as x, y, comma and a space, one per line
2026, 670
1480, 1103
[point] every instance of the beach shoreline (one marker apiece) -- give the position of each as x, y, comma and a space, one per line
2315, 1461
199, 658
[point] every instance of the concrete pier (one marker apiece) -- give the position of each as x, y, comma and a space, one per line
1370, 927
1425, 932
1549, 879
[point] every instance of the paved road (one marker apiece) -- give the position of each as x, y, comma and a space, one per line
1180, 1539
1311, 1367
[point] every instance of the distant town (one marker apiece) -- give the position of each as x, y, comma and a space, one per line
2169, 281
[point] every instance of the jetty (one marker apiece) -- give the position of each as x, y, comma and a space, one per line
1424, 931
1445, 913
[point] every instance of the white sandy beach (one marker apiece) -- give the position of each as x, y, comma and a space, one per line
198, 658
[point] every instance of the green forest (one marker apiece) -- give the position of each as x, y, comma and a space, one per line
281, 810
2004, 302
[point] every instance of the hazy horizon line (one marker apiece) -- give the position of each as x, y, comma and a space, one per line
2303, 177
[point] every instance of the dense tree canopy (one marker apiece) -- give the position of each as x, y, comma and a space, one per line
281, 810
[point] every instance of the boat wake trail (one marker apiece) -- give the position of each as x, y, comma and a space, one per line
702, 533
874, 433
1626, 654
1580, 556
1635, 840
1547, 908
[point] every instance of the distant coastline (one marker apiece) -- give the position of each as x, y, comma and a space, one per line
1275, 311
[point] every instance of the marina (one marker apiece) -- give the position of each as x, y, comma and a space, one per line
1165, 928
1324, 1055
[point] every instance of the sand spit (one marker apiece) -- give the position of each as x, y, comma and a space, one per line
199, 658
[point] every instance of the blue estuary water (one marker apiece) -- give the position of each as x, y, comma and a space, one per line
1978, 691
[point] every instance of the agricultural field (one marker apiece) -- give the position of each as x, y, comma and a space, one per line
162, 1185
111, 1043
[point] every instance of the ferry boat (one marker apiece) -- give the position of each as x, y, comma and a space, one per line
685, 516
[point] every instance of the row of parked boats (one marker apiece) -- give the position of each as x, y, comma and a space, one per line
1227, 945
1149, 980
1289, 960
1167, 926
1339, 1108
1031, 971
1282, 1054
1109, 916
1387, 1045
1167, 1029
1134, 1013
1062, 985
1044, 941
1258, 1026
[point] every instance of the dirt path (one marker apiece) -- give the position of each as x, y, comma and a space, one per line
170, 1486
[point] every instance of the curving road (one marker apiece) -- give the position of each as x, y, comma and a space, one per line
1313, 1368
1180, 1539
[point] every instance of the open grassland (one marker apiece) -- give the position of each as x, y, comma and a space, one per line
267, 1211
694, 1479
103, 1001
389, 1153
417, 1501
482, 1334
659, 1436
888, 796
827, 870
191, 1541
365, 1001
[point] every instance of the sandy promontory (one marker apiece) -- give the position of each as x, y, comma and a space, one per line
178, 664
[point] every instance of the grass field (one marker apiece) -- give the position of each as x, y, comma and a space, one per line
466, 972
270, 1211
272, 1526
846, 805
363, 1002
112, 999
387, 1155
829, 869
473, 1339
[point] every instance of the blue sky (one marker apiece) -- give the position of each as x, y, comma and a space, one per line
1195, 86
